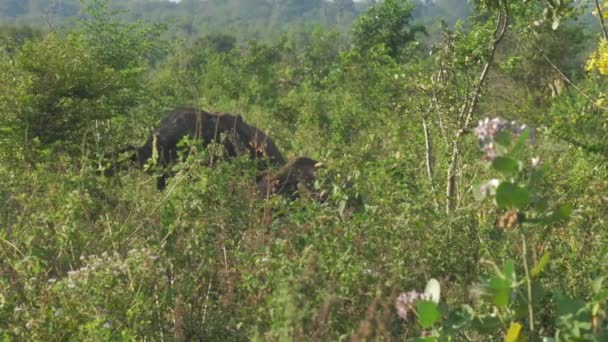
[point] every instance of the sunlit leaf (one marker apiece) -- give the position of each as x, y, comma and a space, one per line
509, 195
514, 333
428, 313
509, 270
597, 284
542, 263
500, 291
506, 165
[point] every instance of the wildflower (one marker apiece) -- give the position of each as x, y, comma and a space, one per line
406, 302
535, 162
488, 188
487, 132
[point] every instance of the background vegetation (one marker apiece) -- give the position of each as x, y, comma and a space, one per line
386, 94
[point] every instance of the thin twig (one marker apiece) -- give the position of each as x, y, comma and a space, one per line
601, 16
13, 246
206, 303
565, 78
429, 150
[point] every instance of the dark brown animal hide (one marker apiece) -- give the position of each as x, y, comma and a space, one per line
230, 131
297, 174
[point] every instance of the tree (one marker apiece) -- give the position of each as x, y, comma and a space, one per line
388, 23
57, 86
14, 36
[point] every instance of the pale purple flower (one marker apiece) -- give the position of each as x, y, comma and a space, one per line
406, 303
487, 132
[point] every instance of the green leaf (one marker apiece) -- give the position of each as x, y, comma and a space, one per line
509, 271
503, 138
507, 166
428, 313
564, 212
459, 319
569, 307
520, 143
500, 291
514, 333
542, 263
486, 324
597, 284
509, 195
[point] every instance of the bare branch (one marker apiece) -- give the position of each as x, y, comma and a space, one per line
429, 148
565, 78
601, 16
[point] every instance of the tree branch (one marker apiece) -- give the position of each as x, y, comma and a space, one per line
502, 23
429, 148
601, 16
565, 78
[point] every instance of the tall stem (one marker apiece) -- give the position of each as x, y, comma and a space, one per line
529, 285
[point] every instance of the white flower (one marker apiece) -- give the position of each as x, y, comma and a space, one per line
535, 162
433, 290
489, 188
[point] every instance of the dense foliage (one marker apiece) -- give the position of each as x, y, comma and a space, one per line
503, 219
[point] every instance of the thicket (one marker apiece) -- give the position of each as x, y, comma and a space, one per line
511, 240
